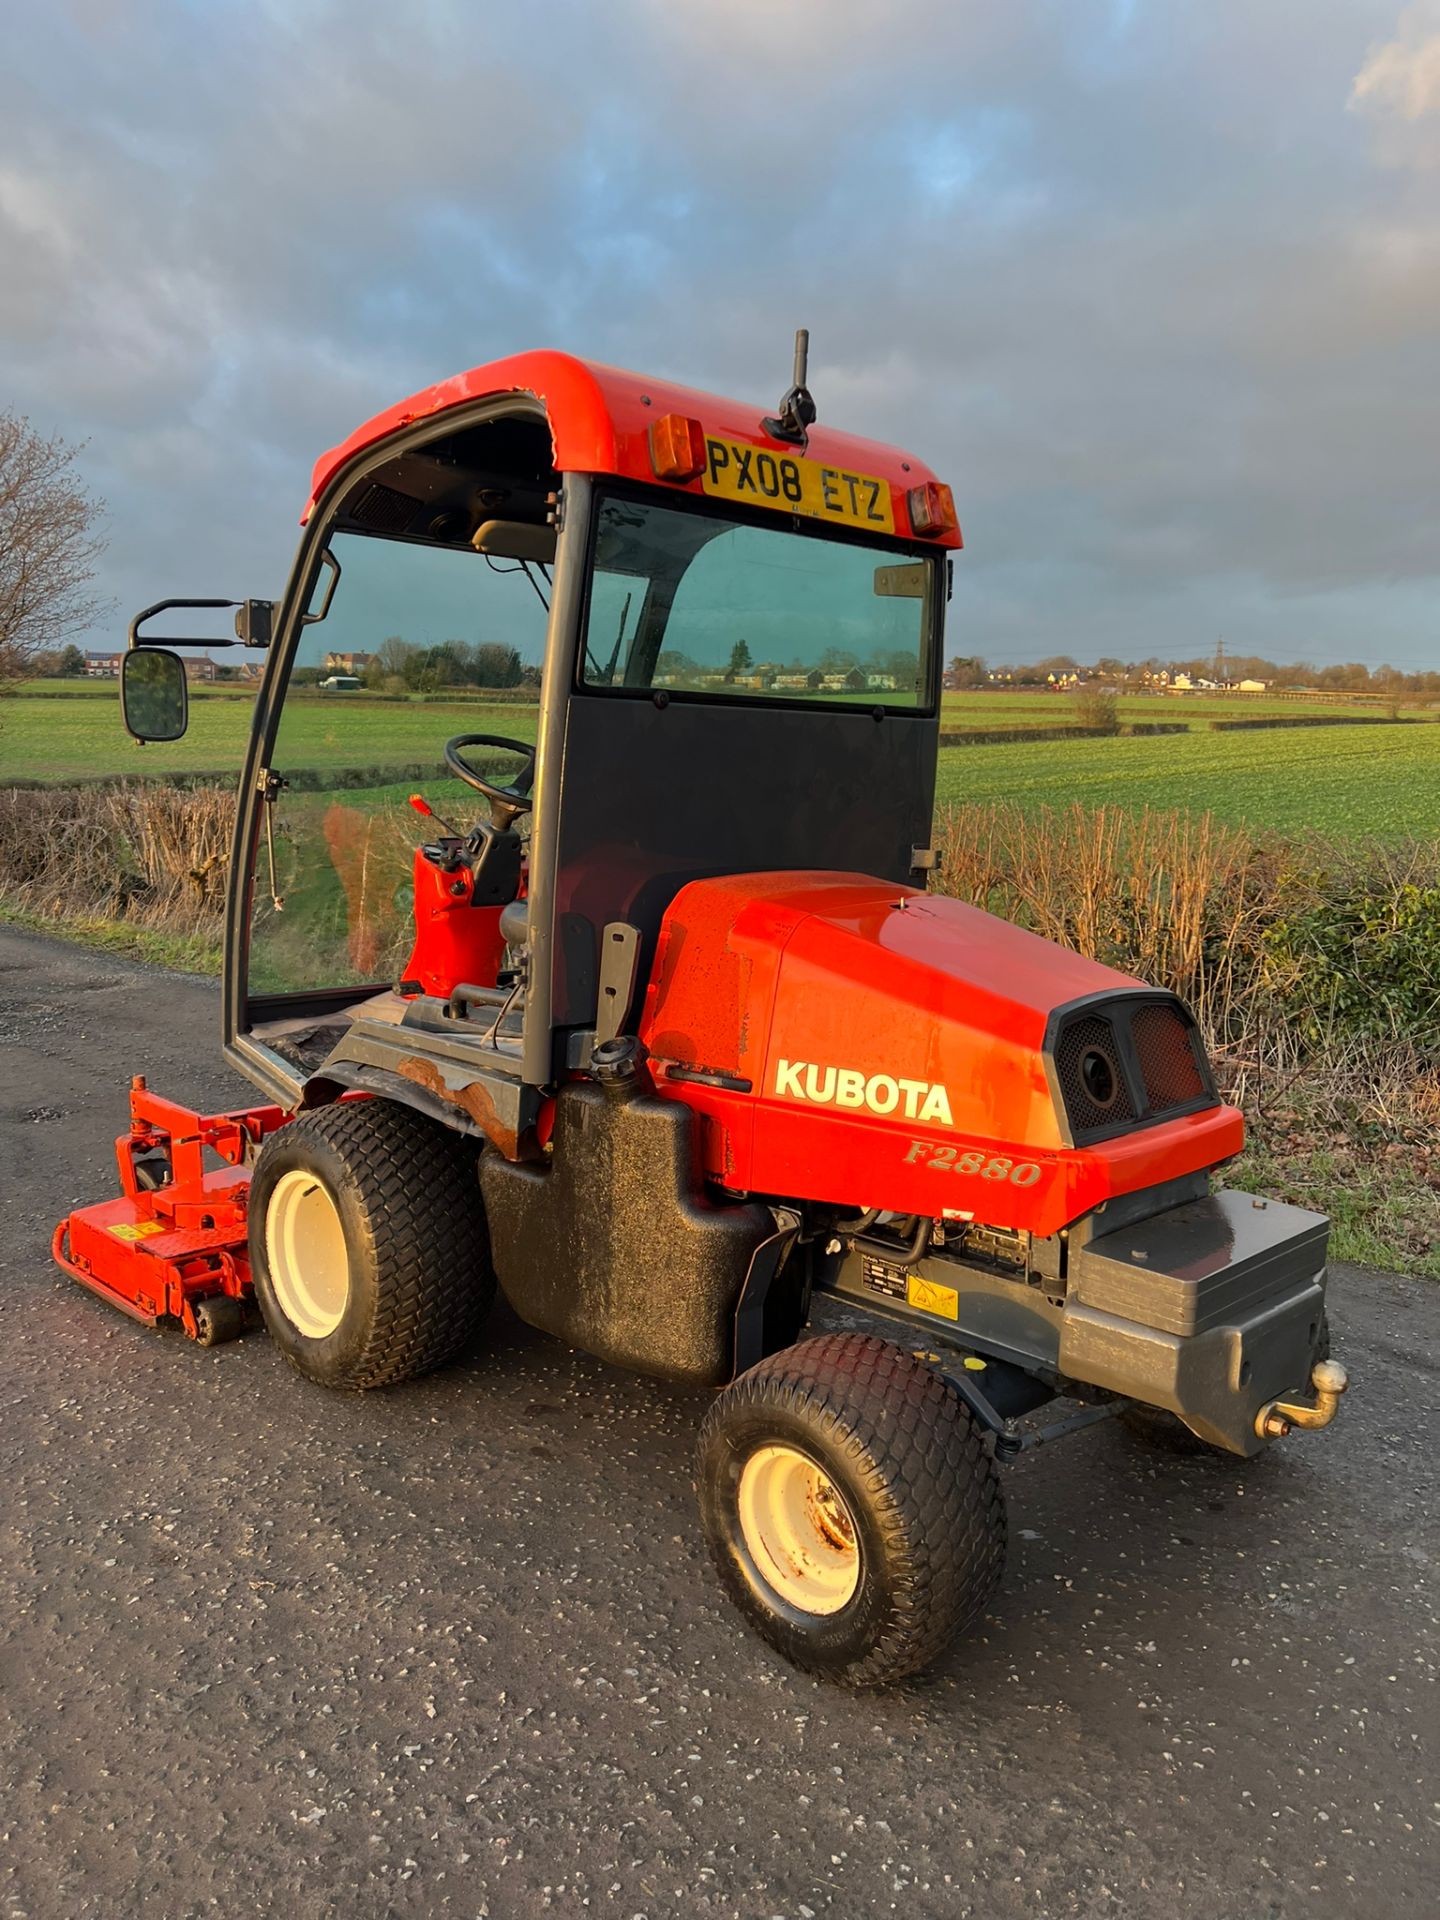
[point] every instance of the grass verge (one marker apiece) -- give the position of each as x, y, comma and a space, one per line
180, 952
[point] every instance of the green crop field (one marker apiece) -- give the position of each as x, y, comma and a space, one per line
1346, 780
978, 711
59, 737
1382, 780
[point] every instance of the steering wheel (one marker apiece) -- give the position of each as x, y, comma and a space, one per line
506, 803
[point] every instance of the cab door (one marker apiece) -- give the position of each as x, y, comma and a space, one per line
438, 642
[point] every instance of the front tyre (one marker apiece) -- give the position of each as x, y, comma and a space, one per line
850, 1507
368, 1246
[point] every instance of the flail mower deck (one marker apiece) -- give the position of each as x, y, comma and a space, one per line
173, 1246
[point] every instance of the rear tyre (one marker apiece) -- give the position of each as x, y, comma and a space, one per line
850, 1507
368, 1247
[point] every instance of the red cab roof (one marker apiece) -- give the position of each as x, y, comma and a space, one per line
600, 418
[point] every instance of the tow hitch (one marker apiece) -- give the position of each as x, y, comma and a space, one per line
1329, 1380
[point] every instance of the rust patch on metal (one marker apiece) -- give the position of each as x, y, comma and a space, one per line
471, 1099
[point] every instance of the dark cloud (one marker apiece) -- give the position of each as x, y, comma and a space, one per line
1158, 287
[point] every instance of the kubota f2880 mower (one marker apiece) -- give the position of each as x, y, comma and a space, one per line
672, 1042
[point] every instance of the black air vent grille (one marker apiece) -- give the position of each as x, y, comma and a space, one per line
1092, 1076
384, 509
1126, 1062
1165, 1049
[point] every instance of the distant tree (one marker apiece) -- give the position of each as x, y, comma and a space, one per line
393, 655
740, 661
72, 663
902, 665
1096, 706
671, 664
965, 670
48, 544
496, 665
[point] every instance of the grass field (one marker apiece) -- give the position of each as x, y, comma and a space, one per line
1339, 780
59, 737
1367, 779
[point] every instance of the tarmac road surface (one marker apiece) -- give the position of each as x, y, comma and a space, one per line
456, 1650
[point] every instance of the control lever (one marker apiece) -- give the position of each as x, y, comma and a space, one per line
423, 806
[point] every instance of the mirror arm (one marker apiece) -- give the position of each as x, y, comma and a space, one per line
163, 606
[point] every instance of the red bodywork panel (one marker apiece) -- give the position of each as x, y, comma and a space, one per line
455, 943
155, 1254
600, 419
892, 1041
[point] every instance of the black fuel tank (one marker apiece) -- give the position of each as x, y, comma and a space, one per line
612, 1245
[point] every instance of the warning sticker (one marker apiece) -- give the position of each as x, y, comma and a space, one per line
932, 1298
141, 1230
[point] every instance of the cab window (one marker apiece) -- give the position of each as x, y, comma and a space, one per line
699, 604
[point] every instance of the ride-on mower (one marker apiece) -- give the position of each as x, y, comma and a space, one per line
673, 1043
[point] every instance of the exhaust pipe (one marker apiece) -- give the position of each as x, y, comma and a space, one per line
1278, 1417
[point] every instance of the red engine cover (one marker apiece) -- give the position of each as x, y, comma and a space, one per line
886, 1050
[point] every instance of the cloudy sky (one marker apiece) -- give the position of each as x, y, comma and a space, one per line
1154, 283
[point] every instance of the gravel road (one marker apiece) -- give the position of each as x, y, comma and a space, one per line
455, 1649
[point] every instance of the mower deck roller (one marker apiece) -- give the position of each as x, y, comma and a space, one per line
673, 1043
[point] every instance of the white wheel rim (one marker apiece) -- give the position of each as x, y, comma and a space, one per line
309, 1262
799, 1531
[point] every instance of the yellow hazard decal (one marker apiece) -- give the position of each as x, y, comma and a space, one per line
931, 1298
141, 1230
791, 484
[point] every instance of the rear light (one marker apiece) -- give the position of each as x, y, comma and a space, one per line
931, 508
677, 447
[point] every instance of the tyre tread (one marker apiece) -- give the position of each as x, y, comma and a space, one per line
915, 1449
424, 1227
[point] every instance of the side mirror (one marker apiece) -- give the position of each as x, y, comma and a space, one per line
153, 694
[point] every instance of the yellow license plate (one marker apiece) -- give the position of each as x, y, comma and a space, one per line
789, 484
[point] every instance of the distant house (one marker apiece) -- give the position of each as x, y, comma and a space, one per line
355, 663
1251, 686
102, 666
198, 666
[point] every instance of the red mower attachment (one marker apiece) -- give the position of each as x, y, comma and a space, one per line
173, 1246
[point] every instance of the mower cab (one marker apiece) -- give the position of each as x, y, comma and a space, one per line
653, 1017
